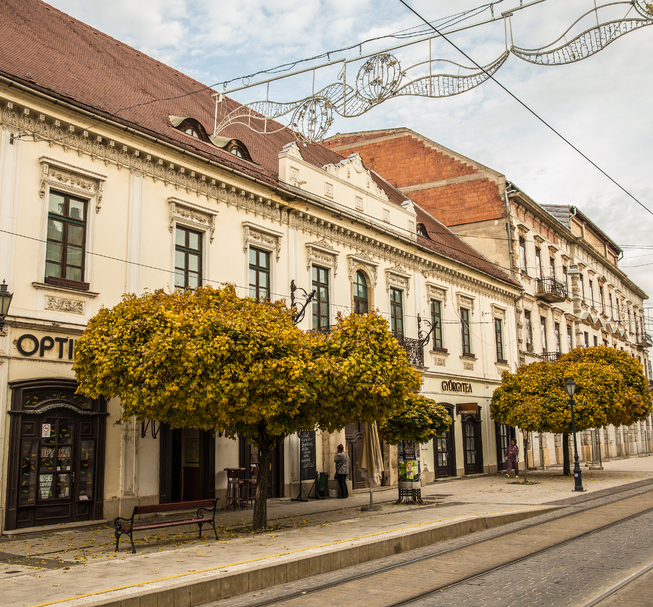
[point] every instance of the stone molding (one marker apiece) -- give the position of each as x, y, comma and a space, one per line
190, 215
438, 292
323, 254
397, 277
260, 236
71, 180
59, 304
367, 262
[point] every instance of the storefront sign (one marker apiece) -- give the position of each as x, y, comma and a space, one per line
467, 409
30, 345
457, 386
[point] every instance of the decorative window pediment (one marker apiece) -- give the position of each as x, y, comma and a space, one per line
465, 301
498, 312
264, 238
322, 254
438, 292
365, 260
192, 216
71, 180
399, 278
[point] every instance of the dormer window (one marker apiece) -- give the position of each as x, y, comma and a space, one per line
190, 127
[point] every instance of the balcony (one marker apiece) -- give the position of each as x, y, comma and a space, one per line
414, 350
550, 357
551, 290
644, 340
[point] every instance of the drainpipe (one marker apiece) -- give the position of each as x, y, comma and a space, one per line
506, 191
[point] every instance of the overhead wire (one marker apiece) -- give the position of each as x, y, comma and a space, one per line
528, 108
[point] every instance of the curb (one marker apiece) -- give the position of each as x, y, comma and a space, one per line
212, 586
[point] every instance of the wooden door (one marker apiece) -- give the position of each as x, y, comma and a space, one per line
472, 446
56, 457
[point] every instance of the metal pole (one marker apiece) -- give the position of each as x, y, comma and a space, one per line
578, 481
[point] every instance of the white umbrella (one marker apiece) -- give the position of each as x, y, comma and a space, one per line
371, 460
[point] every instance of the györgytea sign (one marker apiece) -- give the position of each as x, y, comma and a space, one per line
457, 386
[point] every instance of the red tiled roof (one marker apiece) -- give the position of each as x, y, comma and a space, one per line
53, 53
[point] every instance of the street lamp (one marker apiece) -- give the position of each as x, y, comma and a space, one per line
570, 385
5, 302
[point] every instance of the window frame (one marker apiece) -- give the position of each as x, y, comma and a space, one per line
523, 266
188, 251
67, 221
498, 340
358, 300
528, 330
465, 332
538, 263
259, 271
438, 334
543, 334
316, 314
397, 312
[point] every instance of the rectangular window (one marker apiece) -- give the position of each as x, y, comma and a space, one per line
570, 338
66, 240
498, 335
552, 266
565, 277
436, 322
602, 298
528, 330
259, 274
538, 263
596, 340
611, 308
465, 331
581, 282
522, 254
321, 302
543, 334
592, 302
556, 334
587, 339
396, 312
188, 258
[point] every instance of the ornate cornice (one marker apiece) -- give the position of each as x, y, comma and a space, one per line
191, 215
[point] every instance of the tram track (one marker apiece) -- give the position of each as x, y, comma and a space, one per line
300, 597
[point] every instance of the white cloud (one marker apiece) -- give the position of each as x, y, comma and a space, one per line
601, 104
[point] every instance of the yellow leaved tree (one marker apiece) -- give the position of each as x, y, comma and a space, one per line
210, 360
611, 389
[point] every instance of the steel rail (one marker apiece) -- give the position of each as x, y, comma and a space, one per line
360, 576
566, 542
608, 593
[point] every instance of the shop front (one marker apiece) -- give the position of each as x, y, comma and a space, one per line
55, 468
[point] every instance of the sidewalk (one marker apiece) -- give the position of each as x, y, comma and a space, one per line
77, 566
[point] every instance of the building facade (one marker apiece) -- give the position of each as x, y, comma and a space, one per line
574, 293
111, 184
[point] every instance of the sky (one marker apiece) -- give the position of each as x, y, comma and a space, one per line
601, 104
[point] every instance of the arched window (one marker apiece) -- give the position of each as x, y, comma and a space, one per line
360, 294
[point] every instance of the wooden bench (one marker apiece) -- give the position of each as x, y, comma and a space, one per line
126, 525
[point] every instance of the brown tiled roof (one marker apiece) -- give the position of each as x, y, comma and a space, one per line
53, 53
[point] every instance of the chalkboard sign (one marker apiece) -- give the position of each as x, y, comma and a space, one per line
307, 464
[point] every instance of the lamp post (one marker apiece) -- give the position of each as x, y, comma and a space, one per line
570, 385
5, 302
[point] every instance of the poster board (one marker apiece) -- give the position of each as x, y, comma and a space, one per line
307, 457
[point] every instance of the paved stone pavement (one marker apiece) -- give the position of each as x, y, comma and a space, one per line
60, 563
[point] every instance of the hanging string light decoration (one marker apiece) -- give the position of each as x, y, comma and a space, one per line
381, 77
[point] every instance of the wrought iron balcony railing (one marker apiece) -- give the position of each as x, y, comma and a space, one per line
645, 340
414, 349
550, 356
551, 290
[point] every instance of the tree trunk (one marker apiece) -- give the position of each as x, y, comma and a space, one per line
261, 498
566, 460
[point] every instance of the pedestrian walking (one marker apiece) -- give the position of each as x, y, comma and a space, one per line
512, 458
342, 470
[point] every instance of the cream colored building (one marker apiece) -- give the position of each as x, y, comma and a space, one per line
111, 183
574, 293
